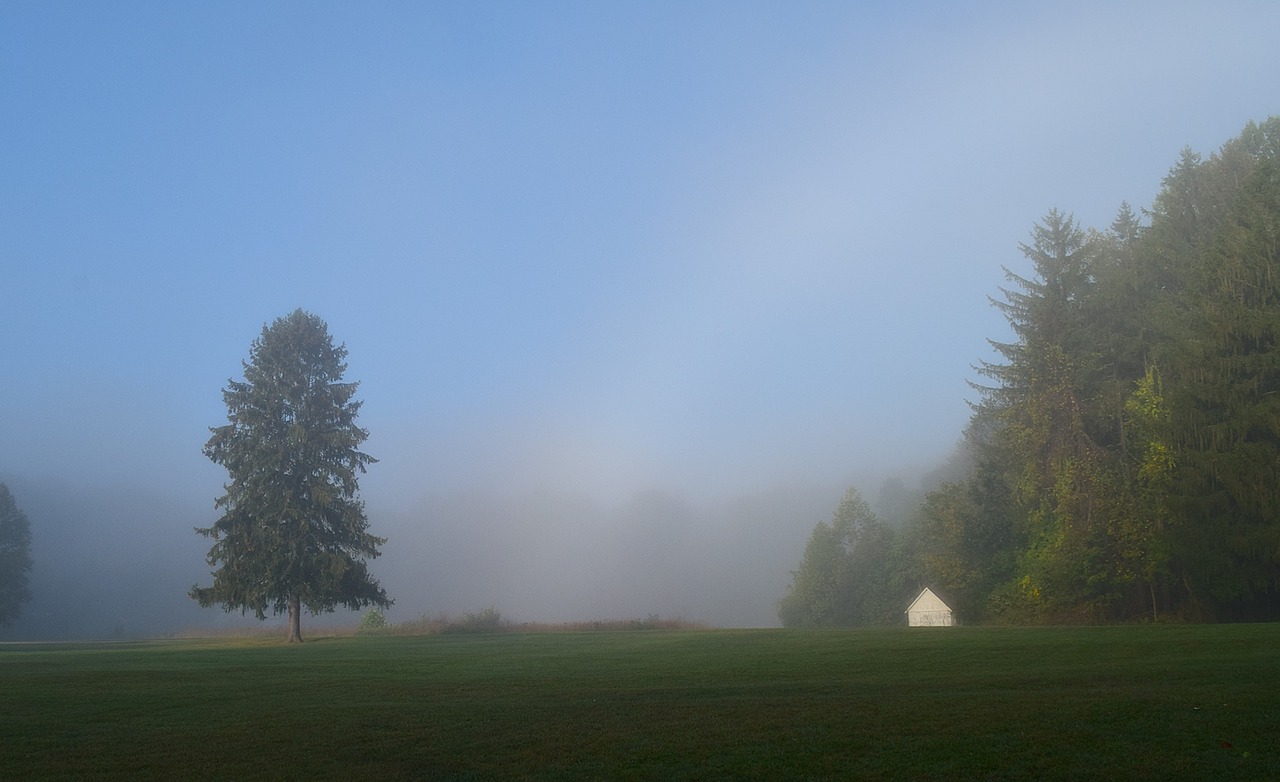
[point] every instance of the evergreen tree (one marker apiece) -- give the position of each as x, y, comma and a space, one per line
1045, 416
1114, 317
870, 583
1127, 308
293, 533
15, 557
1141, 525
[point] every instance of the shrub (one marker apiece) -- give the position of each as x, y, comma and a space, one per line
373, 621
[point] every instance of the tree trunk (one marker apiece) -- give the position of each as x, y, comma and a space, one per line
295, 619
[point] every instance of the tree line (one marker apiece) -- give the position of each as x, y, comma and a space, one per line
1122, 461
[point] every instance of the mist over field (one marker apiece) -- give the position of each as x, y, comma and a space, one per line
633, 294
113, 562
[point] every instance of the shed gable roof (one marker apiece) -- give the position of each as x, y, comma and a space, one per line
927, 601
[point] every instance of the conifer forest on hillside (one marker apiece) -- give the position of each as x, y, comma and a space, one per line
1122, 462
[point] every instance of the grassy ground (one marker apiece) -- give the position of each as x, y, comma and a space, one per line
1159, 702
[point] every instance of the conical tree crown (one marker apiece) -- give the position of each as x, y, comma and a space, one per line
293, 525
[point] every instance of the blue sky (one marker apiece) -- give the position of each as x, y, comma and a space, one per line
597, 247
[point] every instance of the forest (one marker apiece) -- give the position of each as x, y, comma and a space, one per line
1122, 461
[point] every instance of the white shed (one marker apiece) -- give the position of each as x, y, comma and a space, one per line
928, 610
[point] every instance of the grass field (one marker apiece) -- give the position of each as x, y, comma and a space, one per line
1151, 702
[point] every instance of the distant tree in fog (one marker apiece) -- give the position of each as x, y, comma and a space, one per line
293, 533
847, 575
15, 557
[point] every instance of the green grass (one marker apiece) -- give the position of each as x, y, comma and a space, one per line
1152, 702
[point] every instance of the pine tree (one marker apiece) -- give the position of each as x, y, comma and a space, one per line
293, 533
1044, 416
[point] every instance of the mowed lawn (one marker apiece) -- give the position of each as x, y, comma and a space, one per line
1149, 702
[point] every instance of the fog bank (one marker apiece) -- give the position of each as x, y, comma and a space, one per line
116, 562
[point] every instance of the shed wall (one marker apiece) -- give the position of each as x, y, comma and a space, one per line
929, 619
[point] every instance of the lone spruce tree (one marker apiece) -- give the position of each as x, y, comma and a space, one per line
293, 533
